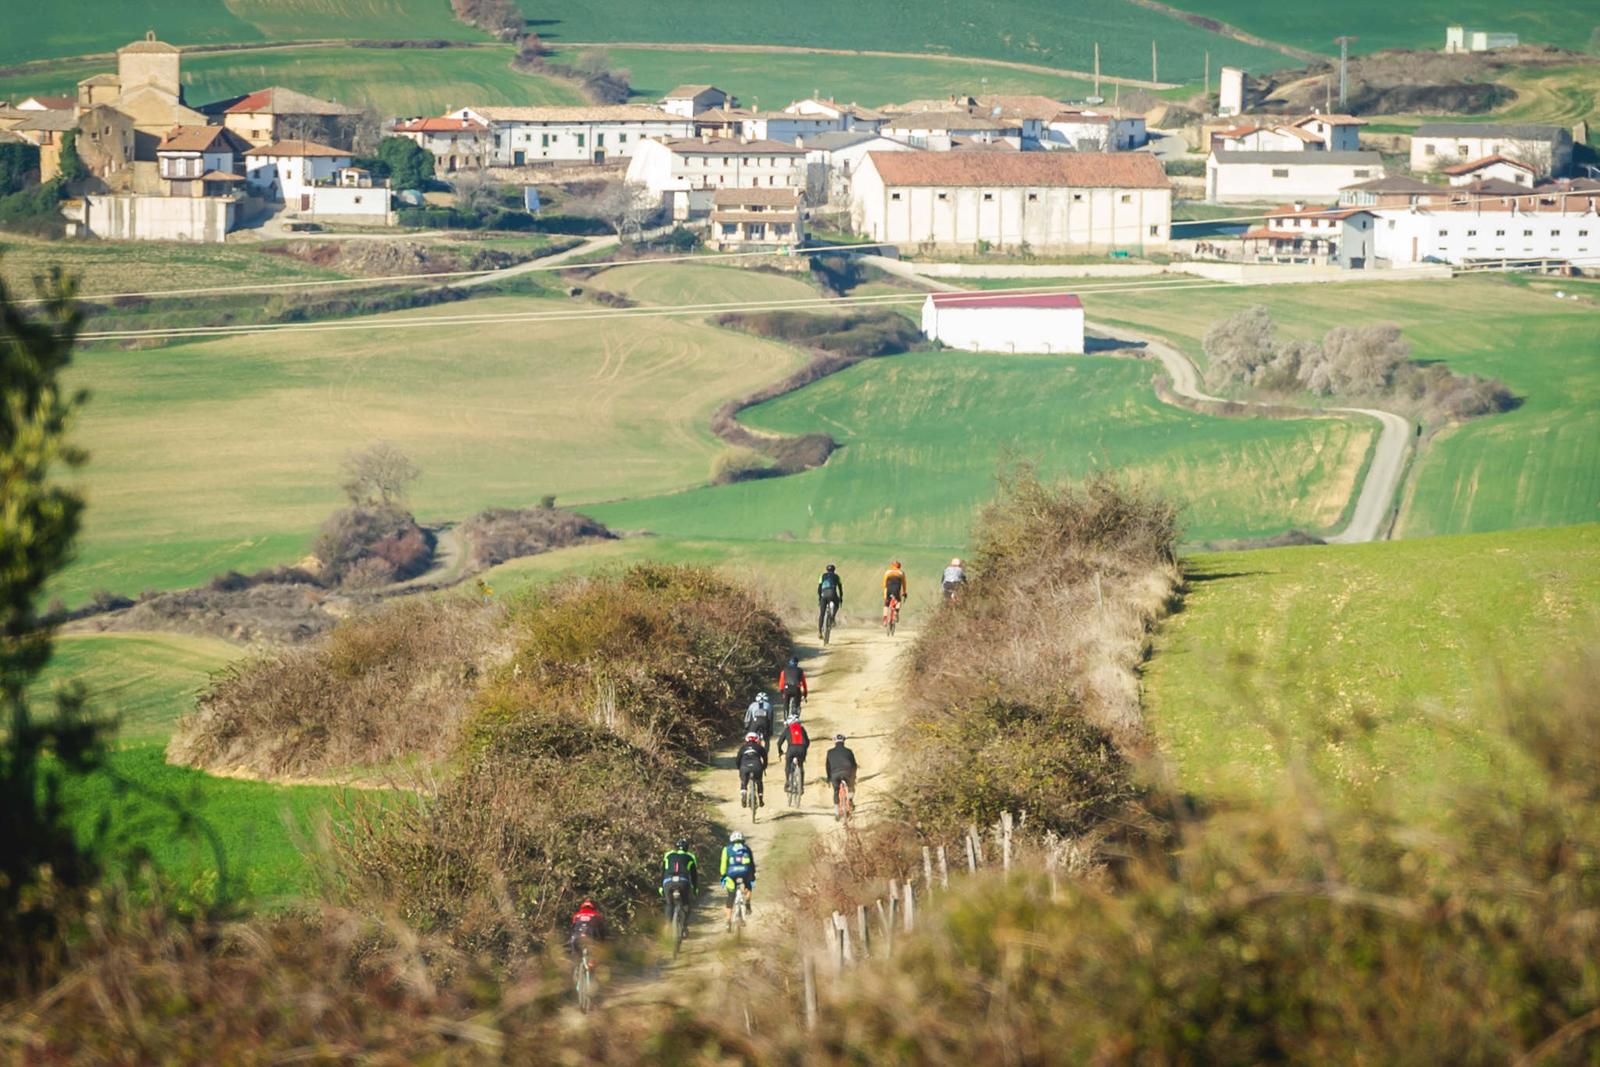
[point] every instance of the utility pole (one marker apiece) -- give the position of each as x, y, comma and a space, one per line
1344, 67
1097, 68
1153, 75
1206, 86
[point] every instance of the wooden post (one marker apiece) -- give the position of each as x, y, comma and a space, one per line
910, 912
889, 917
927, 869
1005, 839
844, 932
972, 855
861, 928
944, 870
808, 971
888, 928
833, 931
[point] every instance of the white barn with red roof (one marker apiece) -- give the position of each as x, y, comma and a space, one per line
1005, 322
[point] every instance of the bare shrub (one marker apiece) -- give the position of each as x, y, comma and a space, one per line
369, 572
858, 334
501, 534
379, 476
388, 684
352, 535
741, 465
502, 18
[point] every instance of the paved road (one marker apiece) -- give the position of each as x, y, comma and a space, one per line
1375, 501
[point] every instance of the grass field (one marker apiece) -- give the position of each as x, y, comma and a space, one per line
923, 434
774, 79
1560, 95
1416, 24
226, 453
81, 27
691, 283
142, 266
1055, 33
1365, 656
144, 681
1538, 465
395, 81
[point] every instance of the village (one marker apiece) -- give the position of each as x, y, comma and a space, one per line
1005, 175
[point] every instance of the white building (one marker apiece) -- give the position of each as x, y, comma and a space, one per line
1301, 233
851, 116
287, 170
1338, 133
1538, 225
201, 161
1232, 85
939, 131
756, 218
1249, 137
1005, 322
353, 196
1048, 202
591, 134
1501, 168
1461, 39
1436, 145
456, 144
831, 158
1095, 130
687, 101
1243, 177
159, 218
686, 173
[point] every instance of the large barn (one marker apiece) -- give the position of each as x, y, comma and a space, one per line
1005, 322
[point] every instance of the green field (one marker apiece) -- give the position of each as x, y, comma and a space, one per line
1054, 33
1538, 465
144, 266
923, 433
693, 284
394, 81
225, 453
144, 681
1366, 657
769, 80
1561, 95
1415, 24
81, 27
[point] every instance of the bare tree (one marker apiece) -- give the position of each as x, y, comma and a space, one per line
475, 194
625, 206
378, 476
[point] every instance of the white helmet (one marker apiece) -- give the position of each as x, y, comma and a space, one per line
956, 562
790, 718
735, 837
762, 698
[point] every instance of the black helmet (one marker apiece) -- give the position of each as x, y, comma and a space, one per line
682, 845
794, 661
830, 568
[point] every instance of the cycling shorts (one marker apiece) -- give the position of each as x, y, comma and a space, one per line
732, 885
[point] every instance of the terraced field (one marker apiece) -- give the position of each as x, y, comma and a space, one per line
121, 267
225, 453
1363, 658
923, 433
1538, 465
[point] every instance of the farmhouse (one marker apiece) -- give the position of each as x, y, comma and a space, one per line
1394, 191
764, 218
832, 157
123, 116
1301, 233
783, 126
1502, 168
687, 101
686, 173
275, 114
851, 116
1553, 223
591, 134
939, 131
287, 170
1095, 130
1044, 201
201, 161
1005, 322
1436, 145
1285, 176
456, 144
1248, 137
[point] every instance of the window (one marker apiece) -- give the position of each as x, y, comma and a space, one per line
1033, 198
1472, 233
599, 140
580, 140
944, 196
1127, 198
544, 140
745, 160
1429, 150
358, 200
894, 196
1555, 233
729, 229
724, 161
1077, 198
988, 197
1461, 150
1155, 231
622, 138
1444, 233
1583, 233
1497, 233
1365, 172
1527, 233
1280, 172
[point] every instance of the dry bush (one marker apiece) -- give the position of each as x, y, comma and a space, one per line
1027, 697
741, 465
362, 532
386, 685
859, 334
266, 611
501, 534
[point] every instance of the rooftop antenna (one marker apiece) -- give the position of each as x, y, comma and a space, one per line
1344, 67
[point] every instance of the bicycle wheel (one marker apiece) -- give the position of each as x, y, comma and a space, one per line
894, 616
583, 978
680, 924
753, 799
741, 911
827, 623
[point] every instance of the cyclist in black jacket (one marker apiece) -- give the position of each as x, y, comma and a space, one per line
830, 590
841, 767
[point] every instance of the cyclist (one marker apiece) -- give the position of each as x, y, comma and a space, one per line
792, 684
798, 741
894, 587
587, 925
758, 718
680, 876
841, 768
830, 590
738, 865
955, 576
752, 764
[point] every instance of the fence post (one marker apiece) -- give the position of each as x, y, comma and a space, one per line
887, 919
844, 932
808, 971
927, 869
834, 942
944, 870
909, 908
1005, 839
861, 929
973, 847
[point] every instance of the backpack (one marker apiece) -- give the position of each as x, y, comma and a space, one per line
738, 861
797, 734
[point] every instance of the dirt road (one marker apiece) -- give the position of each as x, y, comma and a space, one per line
855, 689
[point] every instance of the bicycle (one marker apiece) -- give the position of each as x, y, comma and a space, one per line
753, 801
741, 910
843, 801
583, 980
795, 784
680, 919
891, 618
827, 621
791, 705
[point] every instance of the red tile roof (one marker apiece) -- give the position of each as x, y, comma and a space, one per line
53, 103
277, 100
1479, 164
441, 125
1005, 300
298, 149
1084, 170
202, 139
